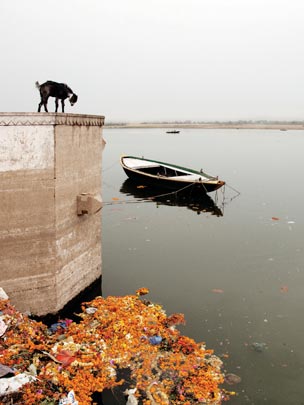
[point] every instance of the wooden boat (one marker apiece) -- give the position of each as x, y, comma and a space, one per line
173, 132
168, 176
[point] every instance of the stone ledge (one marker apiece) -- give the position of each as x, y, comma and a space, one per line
26, 119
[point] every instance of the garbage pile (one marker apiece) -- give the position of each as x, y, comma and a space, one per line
67, 362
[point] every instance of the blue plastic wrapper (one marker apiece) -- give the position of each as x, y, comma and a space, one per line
61, 324
155, 340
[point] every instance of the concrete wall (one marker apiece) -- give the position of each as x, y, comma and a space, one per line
48, 253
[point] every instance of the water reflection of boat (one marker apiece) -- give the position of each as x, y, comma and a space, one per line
198, 203
168, 176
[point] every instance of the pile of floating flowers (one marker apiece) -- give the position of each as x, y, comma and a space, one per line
117, 336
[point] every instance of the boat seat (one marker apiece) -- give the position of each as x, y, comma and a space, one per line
193, 177
135, 164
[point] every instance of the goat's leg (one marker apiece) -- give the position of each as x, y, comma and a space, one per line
56, 104
39, 106
62, 105
44, 101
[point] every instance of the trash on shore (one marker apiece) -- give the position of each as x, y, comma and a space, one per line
69, 362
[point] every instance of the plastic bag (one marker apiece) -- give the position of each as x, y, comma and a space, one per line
13, 384
70, 399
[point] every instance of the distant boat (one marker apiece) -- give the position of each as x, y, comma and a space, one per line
173, 132
168, 176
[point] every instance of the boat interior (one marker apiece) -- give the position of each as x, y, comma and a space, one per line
156, 169
162, 171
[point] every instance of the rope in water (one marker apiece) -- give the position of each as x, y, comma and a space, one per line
152, 198
148, 199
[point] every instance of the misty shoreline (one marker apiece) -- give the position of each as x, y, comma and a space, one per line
277, 126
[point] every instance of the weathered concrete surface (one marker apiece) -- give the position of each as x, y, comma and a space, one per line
48, 254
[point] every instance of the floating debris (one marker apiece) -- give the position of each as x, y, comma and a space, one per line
259, 347
70, 399
60, 325
15, 383
217, 290
3, 295
69, 362
155, 340
5, 371
232, 379
90, 310
132, 400
3, 327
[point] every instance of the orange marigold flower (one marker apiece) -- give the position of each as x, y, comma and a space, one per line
116, 336
142, 291
175, 319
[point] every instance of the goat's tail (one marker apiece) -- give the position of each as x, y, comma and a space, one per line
37, 85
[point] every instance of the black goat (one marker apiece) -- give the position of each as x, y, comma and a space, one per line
60, 91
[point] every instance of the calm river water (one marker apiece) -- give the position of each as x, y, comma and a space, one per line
238, 277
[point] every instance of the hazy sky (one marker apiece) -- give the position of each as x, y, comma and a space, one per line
136, 60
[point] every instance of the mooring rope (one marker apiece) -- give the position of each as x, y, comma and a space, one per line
117, 202
110, 167
148, 199
235, 190
152, 198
